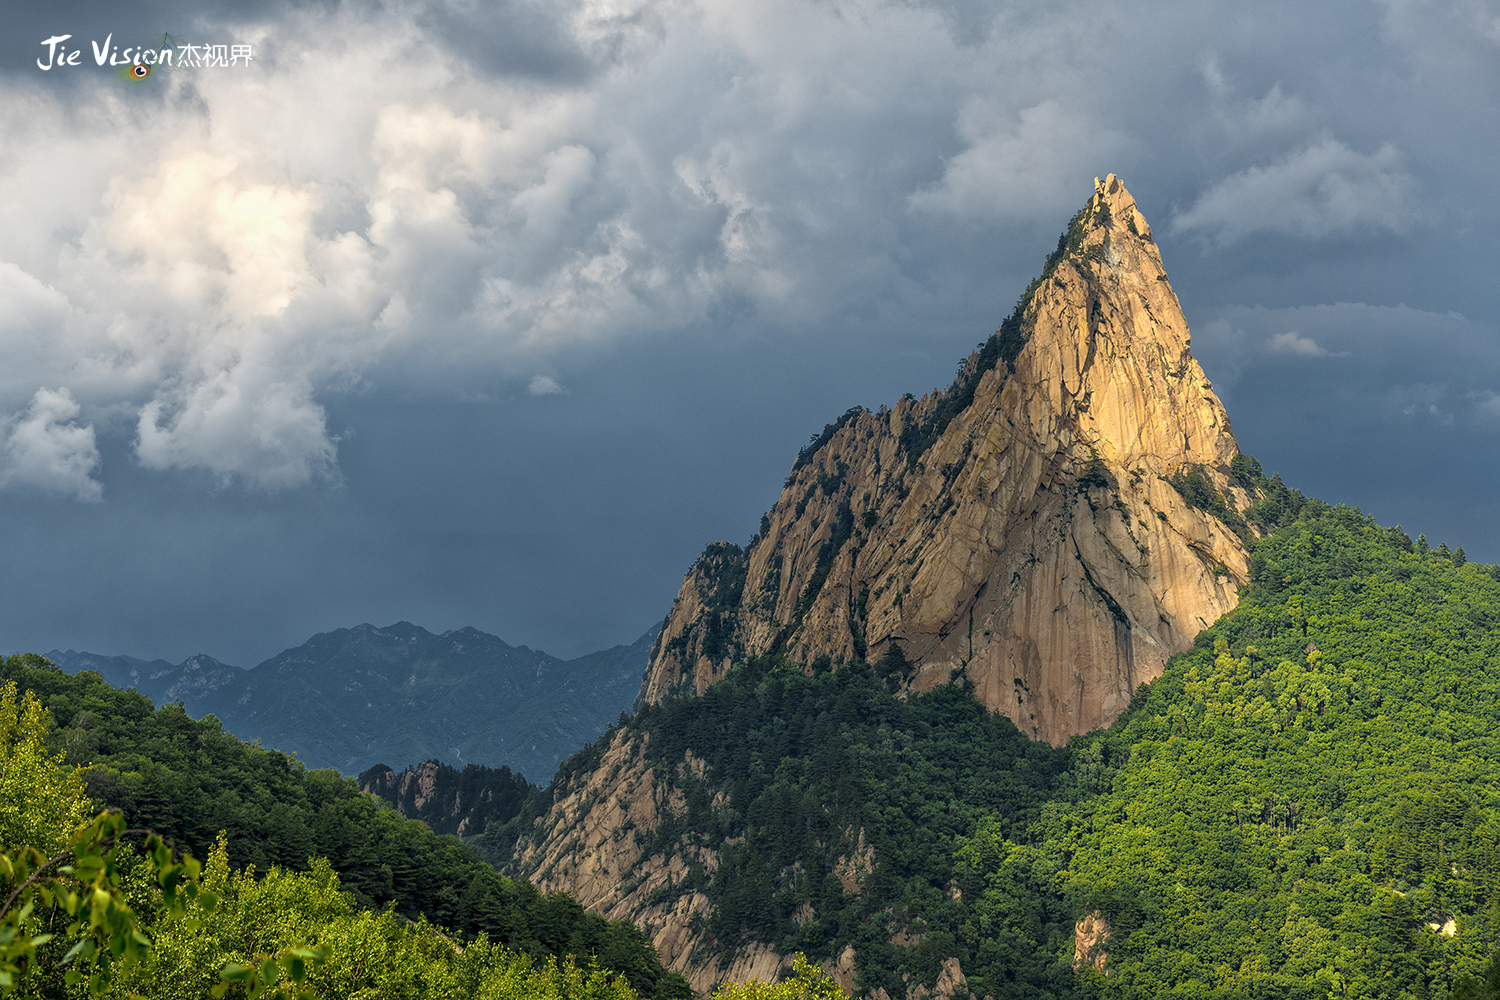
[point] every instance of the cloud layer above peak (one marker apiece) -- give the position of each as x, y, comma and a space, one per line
199, 263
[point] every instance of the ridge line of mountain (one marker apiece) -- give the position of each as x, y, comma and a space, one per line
59, 656
1019, 530
355, 697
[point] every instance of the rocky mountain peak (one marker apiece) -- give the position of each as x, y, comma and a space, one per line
1016, 529
1109, 340
1019, 532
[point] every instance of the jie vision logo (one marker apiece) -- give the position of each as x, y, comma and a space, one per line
138, 61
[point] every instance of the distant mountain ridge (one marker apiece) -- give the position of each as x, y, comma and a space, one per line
159, 680
356, 697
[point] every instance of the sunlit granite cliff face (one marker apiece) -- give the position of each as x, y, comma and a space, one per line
1017, 530
1034, 545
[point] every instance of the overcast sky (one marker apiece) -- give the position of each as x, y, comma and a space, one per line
494, 314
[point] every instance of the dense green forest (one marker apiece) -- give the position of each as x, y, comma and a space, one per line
810, 763
188, 780
1307, 804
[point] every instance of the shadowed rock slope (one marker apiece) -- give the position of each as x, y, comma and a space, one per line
1018, 529
450, 801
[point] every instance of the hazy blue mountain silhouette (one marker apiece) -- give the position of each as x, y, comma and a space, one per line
355, 697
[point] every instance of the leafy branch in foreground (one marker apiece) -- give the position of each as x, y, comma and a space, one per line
83, 881
74, 888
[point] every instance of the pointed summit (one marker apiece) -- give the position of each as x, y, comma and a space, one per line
1016, 529
1102, 331
1109, 341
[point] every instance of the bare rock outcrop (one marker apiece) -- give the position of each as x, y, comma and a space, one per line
591, 846
1090, 942
1026, 539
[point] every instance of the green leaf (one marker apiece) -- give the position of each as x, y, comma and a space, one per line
86, 863
85, 948
235, 973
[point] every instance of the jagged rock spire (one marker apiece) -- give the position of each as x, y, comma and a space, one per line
1016, 529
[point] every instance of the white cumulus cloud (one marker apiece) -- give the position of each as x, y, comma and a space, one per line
45, 448
1325, 189
239, 424
1292, 342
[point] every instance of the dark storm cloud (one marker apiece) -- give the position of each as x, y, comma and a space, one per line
564, 521
495, 314
1387, 408
523, 37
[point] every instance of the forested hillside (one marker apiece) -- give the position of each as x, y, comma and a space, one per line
189, 780
1306, 804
